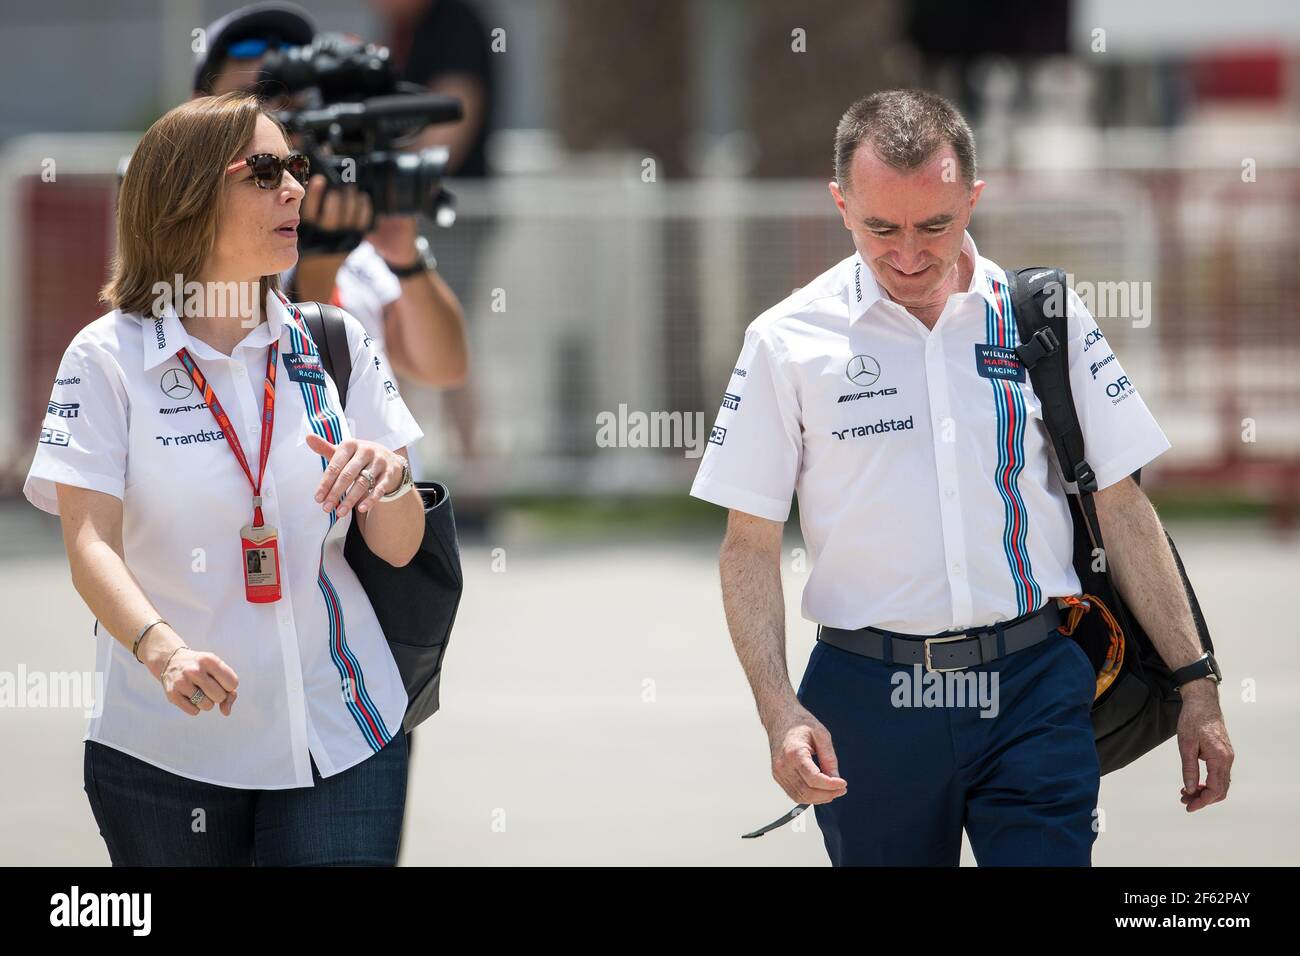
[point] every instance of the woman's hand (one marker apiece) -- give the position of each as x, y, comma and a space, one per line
342, 486
182, 670
190, 670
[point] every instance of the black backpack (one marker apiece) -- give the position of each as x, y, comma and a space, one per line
1137, 706
415, 604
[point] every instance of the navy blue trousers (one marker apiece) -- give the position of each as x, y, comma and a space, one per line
146, 814
1022, 783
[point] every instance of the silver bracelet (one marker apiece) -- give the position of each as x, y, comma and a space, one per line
405, 485
135, 648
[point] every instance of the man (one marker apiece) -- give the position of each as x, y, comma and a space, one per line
444, 46
386, 282
932, 506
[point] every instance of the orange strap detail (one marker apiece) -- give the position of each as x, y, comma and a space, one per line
1080, 606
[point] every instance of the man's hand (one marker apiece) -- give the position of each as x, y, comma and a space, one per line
394, 239
796, 738
1142, 566
338, 208
1202, 735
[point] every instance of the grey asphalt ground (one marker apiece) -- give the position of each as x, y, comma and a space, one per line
594, 713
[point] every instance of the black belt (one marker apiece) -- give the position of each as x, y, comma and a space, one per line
948, 652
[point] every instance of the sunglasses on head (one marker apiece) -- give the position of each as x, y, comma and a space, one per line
252, 48
268, 168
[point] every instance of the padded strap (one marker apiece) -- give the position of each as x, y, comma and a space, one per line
325, 323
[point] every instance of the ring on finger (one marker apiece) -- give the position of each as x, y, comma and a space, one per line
197, 696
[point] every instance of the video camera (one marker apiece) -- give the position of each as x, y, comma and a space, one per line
358, 114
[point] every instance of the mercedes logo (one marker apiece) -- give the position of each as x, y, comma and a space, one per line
863, 370
176, 384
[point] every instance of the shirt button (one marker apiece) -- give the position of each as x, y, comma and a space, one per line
956, 567
950, 491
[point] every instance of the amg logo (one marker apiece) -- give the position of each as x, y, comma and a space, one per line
854, 397
183, 408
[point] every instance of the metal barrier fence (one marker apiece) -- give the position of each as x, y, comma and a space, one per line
609, 301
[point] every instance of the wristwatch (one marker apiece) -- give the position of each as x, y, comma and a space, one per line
405, 485
424, 261
1206, 666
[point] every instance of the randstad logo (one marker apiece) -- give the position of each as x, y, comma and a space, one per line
208, 434
884, 425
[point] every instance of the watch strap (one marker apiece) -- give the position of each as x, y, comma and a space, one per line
405, 272
1202, 667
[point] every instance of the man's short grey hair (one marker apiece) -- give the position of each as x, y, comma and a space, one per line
904, 128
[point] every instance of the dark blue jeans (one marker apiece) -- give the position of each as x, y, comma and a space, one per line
147, 816
1022, 783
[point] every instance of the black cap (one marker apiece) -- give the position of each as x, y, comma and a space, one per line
284, 21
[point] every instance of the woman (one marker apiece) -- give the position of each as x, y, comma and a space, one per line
206, 476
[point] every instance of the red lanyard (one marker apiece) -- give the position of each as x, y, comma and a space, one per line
268, 420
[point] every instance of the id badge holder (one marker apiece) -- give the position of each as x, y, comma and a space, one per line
261, 556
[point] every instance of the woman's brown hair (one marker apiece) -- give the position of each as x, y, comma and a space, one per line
170, 198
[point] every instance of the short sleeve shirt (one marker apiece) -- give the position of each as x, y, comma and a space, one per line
365, 287
317, 680
929, 496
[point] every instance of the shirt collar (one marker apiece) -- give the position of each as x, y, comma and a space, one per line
864, 291
166, 335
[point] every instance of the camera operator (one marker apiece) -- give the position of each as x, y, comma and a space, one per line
444, 46
389, 281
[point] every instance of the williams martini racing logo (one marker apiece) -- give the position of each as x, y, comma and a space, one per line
996, 361
302, 367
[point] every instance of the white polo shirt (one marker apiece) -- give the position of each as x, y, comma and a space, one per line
315, 673
921, 461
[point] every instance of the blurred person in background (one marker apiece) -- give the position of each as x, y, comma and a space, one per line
444, 46
389, 281
174, 422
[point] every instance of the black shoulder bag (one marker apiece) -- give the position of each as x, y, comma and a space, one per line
1136, 707
415, 604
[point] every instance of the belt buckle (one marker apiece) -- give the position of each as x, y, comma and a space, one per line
943, 640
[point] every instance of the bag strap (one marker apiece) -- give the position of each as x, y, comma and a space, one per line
325, 323
1038, 298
